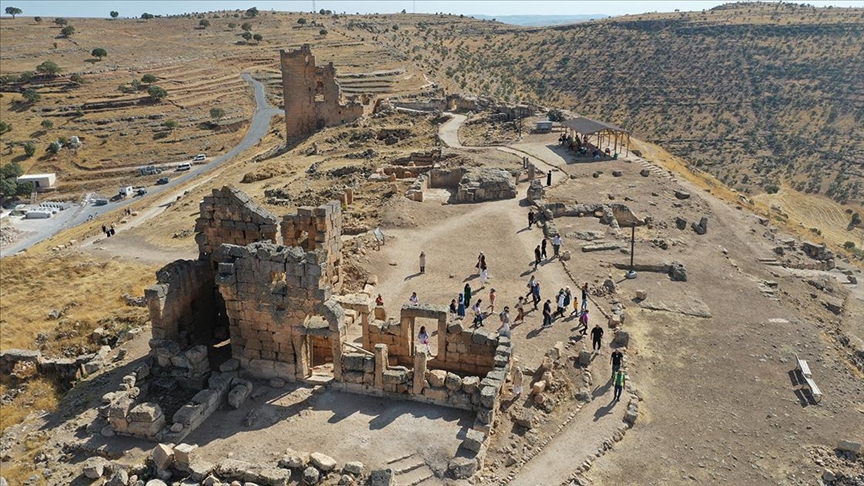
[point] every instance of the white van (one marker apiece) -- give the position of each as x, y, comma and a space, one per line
183, 167
126, 191
199, 158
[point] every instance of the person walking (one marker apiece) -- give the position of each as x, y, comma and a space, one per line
484, 275
467, 292
583, 322
530, 286
422, 262
530, 218
481, 262
492, 296
585, 296
619, 379
543, 248
518, 378
575, 305
547, 314
549, 178
559, 311
460, 306
454, 309
423, 338
504, 330
556, 245
596, 337
104, 229
478, 313
568, 296
520, 311
537, 255
616, 360
536, 294
413, 299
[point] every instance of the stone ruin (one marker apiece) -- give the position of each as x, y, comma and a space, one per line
471, 185
262, 304
311, 95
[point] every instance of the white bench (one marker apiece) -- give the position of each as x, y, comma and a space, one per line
814, 390
803, 367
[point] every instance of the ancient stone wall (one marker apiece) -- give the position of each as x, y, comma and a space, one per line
230, 216
272, 297
318, 229
446, 178
183, 303
312, 96
486, 184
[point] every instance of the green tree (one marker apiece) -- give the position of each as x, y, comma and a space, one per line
31, 95
323, 31
251, 13
29, 149
247, 36
76, 78
13, 11
99, 52
301, 21
48, 67
217, 113
61, 21
5, 127
114, 14
47, 124
156, 93
53, 148
25, 77
246, 26
146, 16
148, 79
68, 31
203, 23
258, 37
849, 245
170, 124
38, 19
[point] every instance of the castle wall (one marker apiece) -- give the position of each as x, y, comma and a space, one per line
311, 95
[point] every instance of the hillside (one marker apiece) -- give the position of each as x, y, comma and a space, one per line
760, 95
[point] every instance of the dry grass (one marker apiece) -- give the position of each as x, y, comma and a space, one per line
87, 291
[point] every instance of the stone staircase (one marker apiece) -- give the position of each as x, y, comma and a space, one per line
655, 170
412, 470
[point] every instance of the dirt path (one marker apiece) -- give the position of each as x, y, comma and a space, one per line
596, 422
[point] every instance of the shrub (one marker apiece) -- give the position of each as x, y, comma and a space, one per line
772, 188
31, 95
204, 23
114, 14
148, 79
301, 21
146, 16
5, 127
246, 26
76, 78
68, 31
29, 149
849, 245
156, 93
48, 67
99, 52
61, 21
258, 37
47, 124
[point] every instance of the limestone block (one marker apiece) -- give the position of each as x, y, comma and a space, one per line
473, 440
584, 357
145, 412
381, 477
293, 459
849, 446
439, 394
436, 378
621, 339
162, 455
641, 294
263, 369
538, 387
146, 429
121, 407
488, 396
355, 468
182, 454
462, 467
470, 384
238, 395
95, 466
453, 382
323, 462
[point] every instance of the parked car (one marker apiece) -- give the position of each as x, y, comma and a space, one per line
163, 180
100, 202
182, 167
199, 158
141, 191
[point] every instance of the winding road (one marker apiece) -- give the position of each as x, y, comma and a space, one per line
81, 213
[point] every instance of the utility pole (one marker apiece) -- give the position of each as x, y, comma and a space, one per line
313, 7
632, 273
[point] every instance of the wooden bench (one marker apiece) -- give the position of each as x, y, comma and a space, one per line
814, 390
803, 367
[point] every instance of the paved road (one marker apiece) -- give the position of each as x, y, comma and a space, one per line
80, 213
449, 131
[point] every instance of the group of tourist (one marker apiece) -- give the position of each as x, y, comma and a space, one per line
562, 302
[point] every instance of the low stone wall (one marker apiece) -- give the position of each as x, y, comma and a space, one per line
22, 363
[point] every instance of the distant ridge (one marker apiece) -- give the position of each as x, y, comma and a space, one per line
541, 20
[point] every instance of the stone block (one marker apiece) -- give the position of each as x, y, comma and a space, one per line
488, 396
146, 429
538, 387
263, 369
453, 382
584, 358
323, 462
310, 476
121, 407
849, 446
95, 466
470, 384
381, 477
621, 339
473, 440
293, 459
438, 394
641, 294
162, 455
182, 454
238, 395
462, 467
145, 412
230, 365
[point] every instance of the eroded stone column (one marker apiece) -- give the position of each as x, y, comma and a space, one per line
381, 363
419, 372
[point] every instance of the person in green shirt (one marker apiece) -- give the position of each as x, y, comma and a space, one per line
619, 379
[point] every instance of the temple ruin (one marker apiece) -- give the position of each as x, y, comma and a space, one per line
262, 302
312, 96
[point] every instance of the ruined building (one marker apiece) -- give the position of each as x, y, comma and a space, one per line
311, 94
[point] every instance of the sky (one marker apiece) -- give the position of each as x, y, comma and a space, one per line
134, 8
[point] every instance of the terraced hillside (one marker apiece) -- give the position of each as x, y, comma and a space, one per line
106, 102
760, 95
